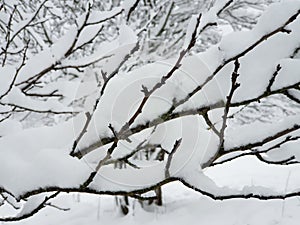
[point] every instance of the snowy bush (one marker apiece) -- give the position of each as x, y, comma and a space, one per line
120, 98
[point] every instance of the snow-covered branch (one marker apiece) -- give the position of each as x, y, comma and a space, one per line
85, 108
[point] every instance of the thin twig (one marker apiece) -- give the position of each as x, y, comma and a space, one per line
170, 157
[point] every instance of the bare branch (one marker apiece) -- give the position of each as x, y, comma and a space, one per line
272, 80
234, 86
16, 73
170, 157
132, 8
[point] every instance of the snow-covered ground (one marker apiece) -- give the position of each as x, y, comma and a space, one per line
181, 206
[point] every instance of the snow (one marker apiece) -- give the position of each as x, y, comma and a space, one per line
51, 56
249, 175
126, 35
127, 5
123, 94
181, 205
32, 203
290, 69
265, 25
39, 157
286, 151
258, 64
88, 34
190, 30
211, 15
193, 150
6, 78
48, 57
9, 126
17, 97
239, 136
17, 27
97, 16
